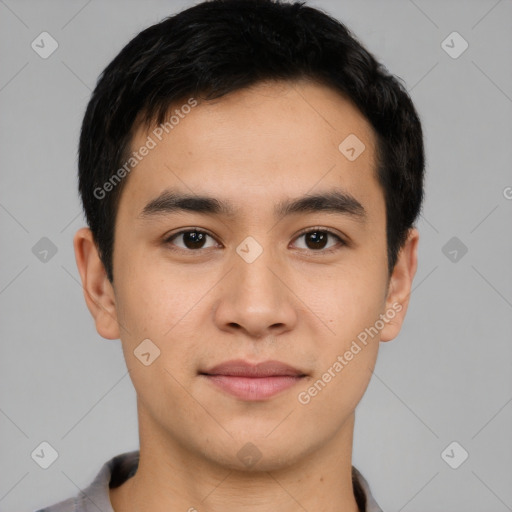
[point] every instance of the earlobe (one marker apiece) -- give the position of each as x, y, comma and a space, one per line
400, 286
98, 291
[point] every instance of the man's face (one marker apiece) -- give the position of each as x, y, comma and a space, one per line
258, 285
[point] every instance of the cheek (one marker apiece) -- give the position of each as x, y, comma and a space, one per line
332, 395
152, 300
348, 300
350, 305
348, 351
163, 306
155, 306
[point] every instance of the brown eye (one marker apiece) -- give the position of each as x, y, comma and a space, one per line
317, 240
190, 240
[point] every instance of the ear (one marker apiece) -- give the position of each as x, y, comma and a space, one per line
400, 284
98, 291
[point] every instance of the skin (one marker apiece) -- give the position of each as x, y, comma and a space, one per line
295, 303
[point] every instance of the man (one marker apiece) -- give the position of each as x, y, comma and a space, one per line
250, 176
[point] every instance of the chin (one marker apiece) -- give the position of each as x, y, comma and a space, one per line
252, 454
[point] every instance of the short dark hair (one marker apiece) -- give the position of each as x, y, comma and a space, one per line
220, 46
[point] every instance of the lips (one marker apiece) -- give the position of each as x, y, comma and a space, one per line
248, 381
240, 368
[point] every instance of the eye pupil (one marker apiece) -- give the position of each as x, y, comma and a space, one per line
318, 238
193, 239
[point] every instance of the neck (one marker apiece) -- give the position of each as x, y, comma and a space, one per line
172, 478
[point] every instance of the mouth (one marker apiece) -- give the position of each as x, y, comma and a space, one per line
253, 381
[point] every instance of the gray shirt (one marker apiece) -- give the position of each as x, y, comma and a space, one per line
117, 470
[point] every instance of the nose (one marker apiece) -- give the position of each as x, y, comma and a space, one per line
255, 299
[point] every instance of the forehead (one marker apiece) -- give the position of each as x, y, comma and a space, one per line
275, 137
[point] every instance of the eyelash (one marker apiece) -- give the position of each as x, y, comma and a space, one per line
318, 229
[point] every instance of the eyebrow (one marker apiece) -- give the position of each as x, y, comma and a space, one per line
333, 201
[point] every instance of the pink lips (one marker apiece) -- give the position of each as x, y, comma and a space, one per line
253, 382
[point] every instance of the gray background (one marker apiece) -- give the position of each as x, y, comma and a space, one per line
446, 378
